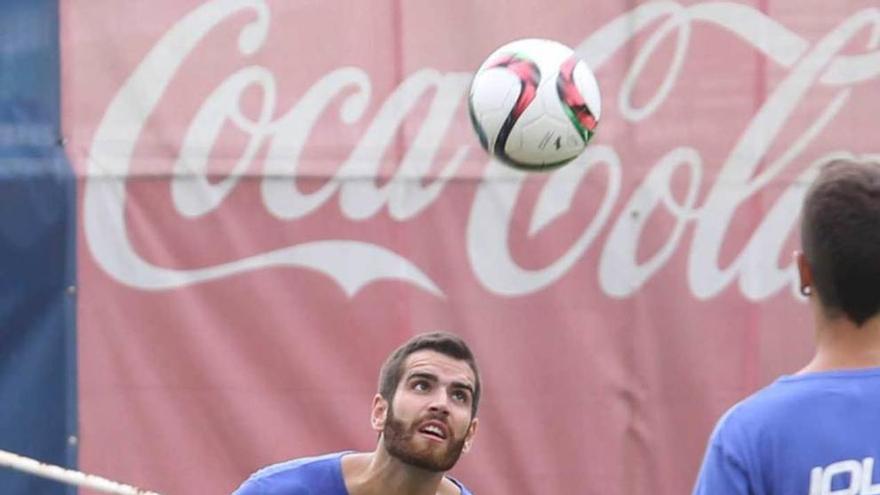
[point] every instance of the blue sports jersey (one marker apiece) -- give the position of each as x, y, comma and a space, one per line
811, 434
320, 475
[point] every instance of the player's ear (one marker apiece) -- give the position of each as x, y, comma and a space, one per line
805, 272
469, 436
379, 413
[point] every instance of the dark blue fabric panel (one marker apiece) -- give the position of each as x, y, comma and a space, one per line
37, 251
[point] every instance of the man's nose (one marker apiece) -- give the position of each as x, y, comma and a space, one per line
440, 403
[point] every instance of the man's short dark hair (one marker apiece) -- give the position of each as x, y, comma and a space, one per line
840, 237
441, 342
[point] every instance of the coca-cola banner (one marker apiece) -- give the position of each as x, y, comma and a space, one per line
275, 194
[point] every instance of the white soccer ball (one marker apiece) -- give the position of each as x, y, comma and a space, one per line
534, 105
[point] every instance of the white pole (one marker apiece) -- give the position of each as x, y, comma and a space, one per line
68, 476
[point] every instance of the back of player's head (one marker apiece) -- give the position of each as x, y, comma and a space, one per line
840, 237
441, 342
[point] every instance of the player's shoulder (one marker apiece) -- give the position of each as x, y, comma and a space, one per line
758, 411
300, 465
294, 476
791, 399
462, 489
800, 392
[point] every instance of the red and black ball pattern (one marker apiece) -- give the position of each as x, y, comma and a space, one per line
529, 77
573, 101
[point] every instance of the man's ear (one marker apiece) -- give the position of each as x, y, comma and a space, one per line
805, 272
379, 413
469, 436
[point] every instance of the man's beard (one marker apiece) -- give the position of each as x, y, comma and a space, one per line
399, 443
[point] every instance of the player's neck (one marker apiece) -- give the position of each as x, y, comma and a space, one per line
841, 344
378, 473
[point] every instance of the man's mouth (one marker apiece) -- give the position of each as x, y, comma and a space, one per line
434, 429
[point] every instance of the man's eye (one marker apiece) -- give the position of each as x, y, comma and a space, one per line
421, 386
460, 396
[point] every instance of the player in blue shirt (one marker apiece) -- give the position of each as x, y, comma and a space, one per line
425, 413
818, 432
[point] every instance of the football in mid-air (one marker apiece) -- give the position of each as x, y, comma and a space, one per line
534, 104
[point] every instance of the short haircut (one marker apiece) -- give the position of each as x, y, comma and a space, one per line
441, 342
840, 237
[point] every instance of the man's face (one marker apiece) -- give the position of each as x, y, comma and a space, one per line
429, 423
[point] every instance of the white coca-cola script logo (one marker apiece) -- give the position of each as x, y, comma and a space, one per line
620, 274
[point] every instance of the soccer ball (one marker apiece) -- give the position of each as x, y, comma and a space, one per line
534, 105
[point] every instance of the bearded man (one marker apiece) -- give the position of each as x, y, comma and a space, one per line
425, 413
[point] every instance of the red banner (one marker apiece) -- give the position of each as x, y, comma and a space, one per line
276, 194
